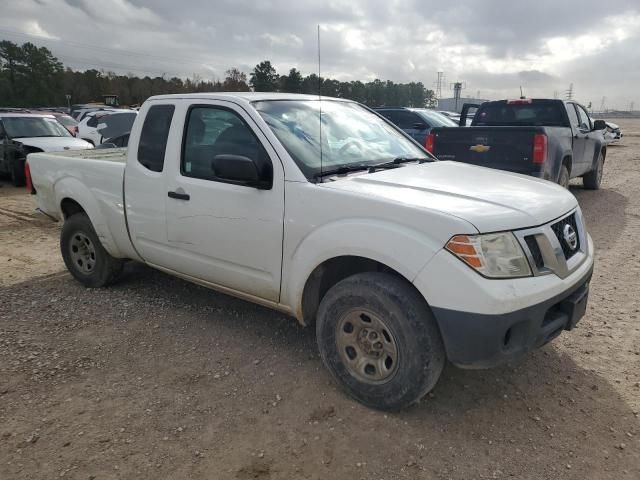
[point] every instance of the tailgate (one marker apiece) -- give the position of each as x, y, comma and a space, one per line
504, 148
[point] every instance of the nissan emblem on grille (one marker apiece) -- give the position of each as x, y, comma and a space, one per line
570, 236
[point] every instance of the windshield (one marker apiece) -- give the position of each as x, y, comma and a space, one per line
351, 134
536, 113
18, 127
66, 120
436, 119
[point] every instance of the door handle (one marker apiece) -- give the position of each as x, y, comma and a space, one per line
179, 196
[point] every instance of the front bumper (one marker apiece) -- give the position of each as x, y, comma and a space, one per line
486, 322
474, 340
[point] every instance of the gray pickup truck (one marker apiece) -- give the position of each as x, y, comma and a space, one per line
551, 139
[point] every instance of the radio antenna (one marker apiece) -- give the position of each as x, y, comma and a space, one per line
319, 102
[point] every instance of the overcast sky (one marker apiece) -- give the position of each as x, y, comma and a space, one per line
494, 46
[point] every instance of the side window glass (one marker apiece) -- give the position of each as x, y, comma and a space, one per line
573, 116
585, 124
93, 121
154, 136
406, 119
216, 131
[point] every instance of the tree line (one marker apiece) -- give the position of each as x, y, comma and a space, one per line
32, 76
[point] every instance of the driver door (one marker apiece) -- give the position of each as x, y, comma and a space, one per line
222, 232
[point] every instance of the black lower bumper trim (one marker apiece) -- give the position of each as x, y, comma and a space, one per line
482, 341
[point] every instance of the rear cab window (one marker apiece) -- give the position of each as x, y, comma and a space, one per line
549, 113
154, 137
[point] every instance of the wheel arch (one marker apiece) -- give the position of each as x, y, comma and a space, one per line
332, 271
73, 197
356, 245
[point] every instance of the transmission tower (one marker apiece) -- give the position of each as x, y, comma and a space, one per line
569, 92
604, 99
555, 94
631, 107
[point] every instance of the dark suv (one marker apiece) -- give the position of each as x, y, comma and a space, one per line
417, 122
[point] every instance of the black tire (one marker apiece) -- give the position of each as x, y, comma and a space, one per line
593, 179
95, 269
563, 177
18, 178
410, 326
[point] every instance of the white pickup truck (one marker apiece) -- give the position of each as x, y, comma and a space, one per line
321, 209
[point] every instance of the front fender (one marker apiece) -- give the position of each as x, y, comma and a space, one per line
400, 248
73, 189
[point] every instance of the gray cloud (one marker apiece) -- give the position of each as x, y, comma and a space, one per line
494, 46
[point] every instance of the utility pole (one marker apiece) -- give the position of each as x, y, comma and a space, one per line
439, 85
555, 94
457, 90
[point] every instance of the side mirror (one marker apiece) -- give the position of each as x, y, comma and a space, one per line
599, 125
420, 126
238, 169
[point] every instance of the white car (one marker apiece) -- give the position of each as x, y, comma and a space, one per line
24, 133
399, 260
100, 125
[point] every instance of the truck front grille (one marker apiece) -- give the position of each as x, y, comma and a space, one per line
534, 248
558, 230
547, 249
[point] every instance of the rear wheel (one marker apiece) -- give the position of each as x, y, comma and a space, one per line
593, 179
378, 338
563, 178
83, 254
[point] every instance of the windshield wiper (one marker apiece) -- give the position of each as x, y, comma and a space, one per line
395, 162
342, 170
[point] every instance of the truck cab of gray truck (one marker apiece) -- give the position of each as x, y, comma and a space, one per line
551, 139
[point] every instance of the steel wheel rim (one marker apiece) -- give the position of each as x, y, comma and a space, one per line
367, 346
82, 253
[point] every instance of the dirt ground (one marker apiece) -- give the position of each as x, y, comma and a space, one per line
155, 378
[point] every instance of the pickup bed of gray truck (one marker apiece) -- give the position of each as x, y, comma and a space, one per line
550, 139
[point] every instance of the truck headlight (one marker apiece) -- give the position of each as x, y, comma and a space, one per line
494, 255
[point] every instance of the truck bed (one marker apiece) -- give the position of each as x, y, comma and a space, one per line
107, 154
506, 148
94, 178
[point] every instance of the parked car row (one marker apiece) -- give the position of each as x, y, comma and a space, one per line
24, 133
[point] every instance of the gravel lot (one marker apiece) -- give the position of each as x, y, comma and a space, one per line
157, 378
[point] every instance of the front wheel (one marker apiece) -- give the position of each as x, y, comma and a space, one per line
380, 341
593, 179
83, 254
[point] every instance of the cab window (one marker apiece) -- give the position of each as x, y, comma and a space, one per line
213, 131
154, 136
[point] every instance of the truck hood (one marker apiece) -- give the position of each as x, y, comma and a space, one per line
54, 144
491, 200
